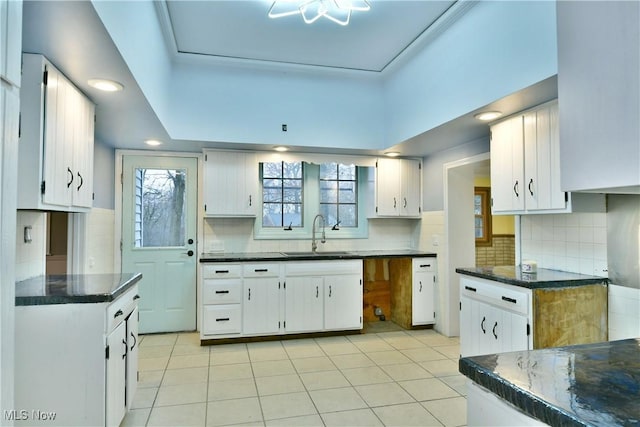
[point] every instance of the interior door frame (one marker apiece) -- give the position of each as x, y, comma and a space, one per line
117, 247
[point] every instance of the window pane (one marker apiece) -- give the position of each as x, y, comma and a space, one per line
329, 171
330, 213
292, 170
292, 196
292, 215
272, 215
272, 170
479, 229
347, 172
348, 192
348, 215
160, 207
328, 193
477, 204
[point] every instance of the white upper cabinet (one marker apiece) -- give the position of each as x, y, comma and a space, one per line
230, 183
10, 40
525, 166
398, 188
57, 136
599, 93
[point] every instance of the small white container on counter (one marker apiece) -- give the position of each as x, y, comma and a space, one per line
529, 266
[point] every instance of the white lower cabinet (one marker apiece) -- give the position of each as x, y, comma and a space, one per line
423, 293
248, 299
343, 302
76, 364
494, 317
304, 304
261, 299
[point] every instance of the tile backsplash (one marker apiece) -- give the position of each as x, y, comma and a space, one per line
571, 242
232, 235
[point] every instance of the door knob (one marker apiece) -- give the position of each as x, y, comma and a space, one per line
189, 252
190, 241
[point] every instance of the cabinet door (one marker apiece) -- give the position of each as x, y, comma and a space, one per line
261, 306
11, 37
542, 160
343, 302
507, 166
57, 173
230, 183
422, 298
410, 200
116, 375
132, 356
388, 181
83, 153
304, 304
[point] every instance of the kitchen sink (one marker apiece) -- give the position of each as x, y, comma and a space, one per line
319, 253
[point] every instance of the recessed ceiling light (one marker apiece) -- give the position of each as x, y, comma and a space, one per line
153, 142
392, 153
106, 85
281, 148
487, 116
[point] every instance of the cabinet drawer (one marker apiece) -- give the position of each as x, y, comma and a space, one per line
221, 319
119, 309
261, 270
221, 291
506, 296
424, 264
222, 271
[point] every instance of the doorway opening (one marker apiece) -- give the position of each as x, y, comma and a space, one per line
57, 242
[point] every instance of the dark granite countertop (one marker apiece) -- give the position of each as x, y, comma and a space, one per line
590, 384
74, 289
543, 278
305, 256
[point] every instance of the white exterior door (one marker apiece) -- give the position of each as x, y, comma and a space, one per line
159, 211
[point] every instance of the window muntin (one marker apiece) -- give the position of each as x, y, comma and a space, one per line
339, 194
282, 194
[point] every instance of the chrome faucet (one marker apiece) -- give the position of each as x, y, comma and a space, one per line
314, 244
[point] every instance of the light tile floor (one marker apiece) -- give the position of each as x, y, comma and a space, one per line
402, 378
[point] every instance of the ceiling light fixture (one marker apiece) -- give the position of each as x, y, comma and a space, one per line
338, 11
392, 153
106, 85
153, 142
487, 116
281, 148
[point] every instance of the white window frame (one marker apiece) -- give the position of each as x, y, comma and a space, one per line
311, 207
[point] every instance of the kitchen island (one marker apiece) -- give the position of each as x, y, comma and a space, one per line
583, 385
76, 349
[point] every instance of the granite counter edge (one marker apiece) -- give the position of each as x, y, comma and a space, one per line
528, 403
23, 301
320, 257
534, 284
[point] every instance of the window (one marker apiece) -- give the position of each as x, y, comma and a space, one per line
339, 194
482, 216
159, 207
282, 188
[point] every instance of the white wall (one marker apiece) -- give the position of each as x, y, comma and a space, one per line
495, 49
100, 241
31, 257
